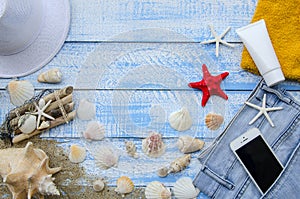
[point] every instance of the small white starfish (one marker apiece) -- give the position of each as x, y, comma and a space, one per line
263, 110
40, 111
218, 39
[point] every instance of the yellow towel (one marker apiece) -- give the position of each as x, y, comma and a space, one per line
282, 19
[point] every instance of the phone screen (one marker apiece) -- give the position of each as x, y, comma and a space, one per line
260, 162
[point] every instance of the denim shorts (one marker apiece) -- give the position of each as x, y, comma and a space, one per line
222, 175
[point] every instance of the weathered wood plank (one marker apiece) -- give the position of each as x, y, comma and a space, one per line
158, 21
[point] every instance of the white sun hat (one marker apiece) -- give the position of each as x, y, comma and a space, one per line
31, 34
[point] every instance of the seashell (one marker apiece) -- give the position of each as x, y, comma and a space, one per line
181, 120
20, 91
153, 145
94, 131
77, 154
188, 144
124, 185
213, 121
131, 149
27, 123
156, 190
26, 172
163, 172
98, 185
86, 110
51, 76
185, 189
180, 164
105, 157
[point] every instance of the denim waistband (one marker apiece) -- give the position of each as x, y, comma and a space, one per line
221, 175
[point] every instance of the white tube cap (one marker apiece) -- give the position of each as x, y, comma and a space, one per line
274, 77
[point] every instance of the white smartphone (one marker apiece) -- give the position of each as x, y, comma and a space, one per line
257, 158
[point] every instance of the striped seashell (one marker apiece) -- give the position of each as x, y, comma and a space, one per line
124, 185
20, 91
77, 153
213, 121
184, 189
181, 120
94, 131
156, 190
105, 157
86, 110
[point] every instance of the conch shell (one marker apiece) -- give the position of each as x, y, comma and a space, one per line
180, 163
26, 172
51, 76
188, 144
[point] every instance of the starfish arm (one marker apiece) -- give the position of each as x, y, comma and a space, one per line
38, 121
46, 106
225, 32
256, 117
253, 105
48, 116
217, 48
269, 119
264, 101
227, 44
224, 75
205, 98
197, 85
213, 31
222, 94
274, 109
208, 41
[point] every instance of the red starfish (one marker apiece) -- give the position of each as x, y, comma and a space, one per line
210, 85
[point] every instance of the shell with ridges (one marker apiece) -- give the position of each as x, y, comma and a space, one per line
86, 110
51, 76
77, 153
27, 123
153, 145
188, 144
181, 120
105, 157
184, 189
180, 163
94, 131
98, 185
156, 190
124, 185
26, 172
20, 91
213, 121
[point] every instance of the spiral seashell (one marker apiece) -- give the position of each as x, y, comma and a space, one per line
156, 190
105, 157
131, 149
153, 145
124, 185
20, 91
86, 110
180, 163
27, 123
77, 154
163, 172
51, 76
184, 189
94, 131
98, 185
181, 120
213, 121
188, 144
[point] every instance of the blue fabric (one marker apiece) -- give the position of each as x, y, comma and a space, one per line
222, 175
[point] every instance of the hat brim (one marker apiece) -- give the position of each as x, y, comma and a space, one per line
50, 40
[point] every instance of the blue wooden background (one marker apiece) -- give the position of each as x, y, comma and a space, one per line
134, 59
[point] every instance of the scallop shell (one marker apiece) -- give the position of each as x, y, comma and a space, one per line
105, 157
27, 123
86, 110
180, 163
20, 91
181, 120
51, 76
184, 189
163, 172
213, 121
153, 145
131, 149
156, 190
94, 131
98, 185
26, 172
188, 144
77, 154
124, 185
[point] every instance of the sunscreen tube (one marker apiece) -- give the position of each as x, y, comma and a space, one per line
257, 41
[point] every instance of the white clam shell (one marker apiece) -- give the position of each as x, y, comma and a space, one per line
184, 189
86, 110
51, 76
156, 190
27, 123
20, 91
94, 131
213, 121
124, 185
181, 120
188, 144
98, 185
105, 157
77, 153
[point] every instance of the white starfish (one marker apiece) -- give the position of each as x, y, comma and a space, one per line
263, 110
40, 111
218, 39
